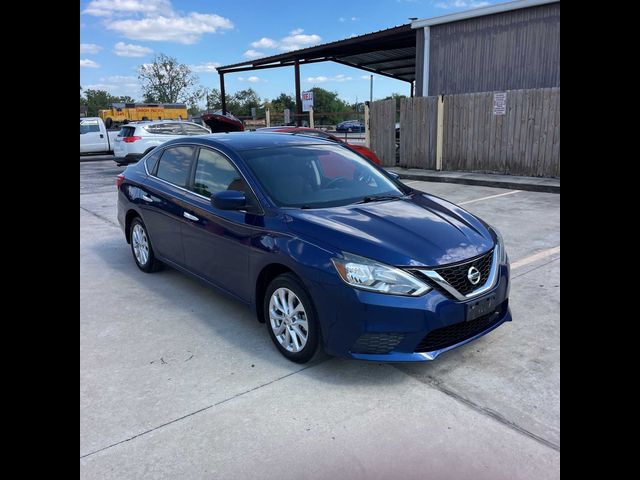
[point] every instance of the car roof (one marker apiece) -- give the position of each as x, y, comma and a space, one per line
254, 140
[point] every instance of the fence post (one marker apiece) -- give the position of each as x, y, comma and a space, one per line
440, 132
311, 122
367, 130
268, 117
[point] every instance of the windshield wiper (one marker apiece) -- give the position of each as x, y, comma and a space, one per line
378, 198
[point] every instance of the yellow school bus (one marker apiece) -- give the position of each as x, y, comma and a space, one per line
123, 113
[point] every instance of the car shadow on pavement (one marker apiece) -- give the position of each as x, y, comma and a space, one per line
245, 333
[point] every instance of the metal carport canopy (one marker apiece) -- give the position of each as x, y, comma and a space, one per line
390, 52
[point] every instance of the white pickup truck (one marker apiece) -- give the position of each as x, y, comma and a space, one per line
94, 136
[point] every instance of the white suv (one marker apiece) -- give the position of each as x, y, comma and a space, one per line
136, 139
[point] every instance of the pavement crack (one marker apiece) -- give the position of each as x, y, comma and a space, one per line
237, 395
434, 383
101, 217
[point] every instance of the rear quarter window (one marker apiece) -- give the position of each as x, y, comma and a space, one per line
174, 165
152, 160
165, 129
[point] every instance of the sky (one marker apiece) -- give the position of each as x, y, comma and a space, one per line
116, 36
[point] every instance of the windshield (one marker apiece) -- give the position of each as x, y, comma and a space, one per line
316, 176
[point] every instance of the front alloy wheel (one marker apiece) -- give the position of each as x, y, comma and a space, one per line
290, 318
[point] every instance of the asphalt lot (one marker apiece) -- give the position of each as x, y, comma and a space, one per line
177, 381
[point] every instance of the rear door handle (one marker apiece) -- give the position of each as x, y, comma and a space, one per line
147, 198
190, 217
101, 136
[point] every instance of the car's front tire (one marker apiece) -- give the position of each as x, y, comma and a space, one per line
141, 247
290, 318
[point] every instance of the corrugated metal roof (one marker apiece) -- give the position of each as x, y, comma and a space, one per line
389, 52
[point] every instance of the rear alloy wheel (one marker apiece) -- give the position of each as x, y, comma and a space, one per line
141, 247
290, 319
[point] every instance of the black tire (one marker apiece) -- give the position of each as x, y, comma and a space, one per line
292, 283
108, 122
152, 264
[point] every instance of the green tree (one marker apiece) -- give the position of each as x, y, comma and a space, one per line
281, 102
100, 99
325, 101
165, 80
243, 101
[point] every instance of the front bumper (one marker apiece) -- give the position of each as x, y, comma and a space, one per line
356, 323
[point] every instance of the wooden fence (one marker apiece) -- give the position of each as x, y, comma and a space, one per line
523, 141
382, 123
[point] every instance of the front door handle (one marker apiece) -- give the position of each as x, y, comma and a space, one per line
190, 217
101, 136
147, 198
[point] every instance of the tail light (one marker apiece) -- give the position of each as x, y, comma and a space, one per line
131, 139
119, 180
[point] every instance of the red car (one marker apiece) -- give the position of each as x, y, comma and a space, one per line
361, 149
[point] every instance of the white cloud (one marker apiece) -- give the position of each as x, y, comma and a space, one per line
253, 54
353, 19
207, 67
123, 79
108, 8
365, 77
88, 63
122, 49
265, 42
342, 19
322, 79
89, 48
117, 85
294, 41
298, 40
186, 30
252, 79
461, 4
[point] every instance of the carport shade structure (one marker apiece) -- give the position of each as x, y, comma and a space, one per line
390, 52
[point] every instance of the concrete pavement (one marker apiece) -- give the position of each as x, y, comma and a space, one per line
177, 381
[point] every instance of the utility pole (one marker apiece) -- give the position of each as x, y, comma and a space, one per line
371, 90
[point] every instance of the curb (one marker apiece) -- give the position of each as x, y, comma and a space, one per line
513, 185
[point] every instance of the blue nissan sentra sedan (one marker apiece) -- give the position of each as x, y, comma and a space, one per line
327, 248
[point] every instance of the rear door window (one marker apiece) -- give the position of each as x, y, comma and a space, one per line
175, 165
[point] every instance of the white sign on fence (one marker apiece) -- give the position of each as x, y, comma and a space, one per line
307, 101
500, 103
287, 116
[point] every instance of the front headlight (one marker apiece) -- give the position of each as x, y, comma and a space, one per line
503, 258
360, 272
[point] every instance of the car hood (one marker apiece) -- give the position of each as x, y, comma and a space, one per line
418, 230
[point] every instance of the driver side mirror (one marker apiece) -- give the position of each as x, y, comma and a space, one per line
229, 200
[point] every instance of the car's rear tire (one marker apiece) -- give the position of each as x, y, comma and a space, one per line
291, 319
141, 247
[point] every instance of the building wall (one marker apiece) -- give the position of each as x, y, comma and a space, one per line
505, 51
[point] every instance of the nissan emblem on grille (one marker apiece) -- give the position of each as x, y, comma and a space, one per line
473, 275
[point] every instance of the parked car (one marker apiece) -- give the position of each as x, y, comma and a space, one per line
94, 136
329, 249
350, 126
139, 138
361, 149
